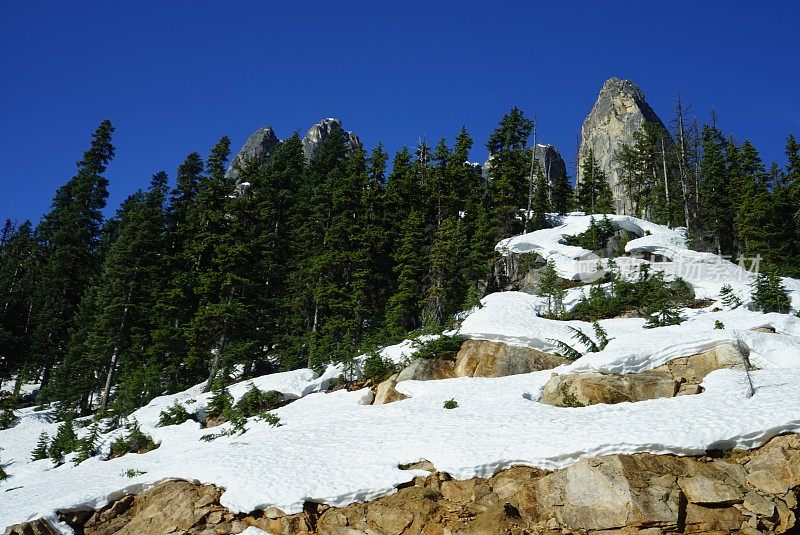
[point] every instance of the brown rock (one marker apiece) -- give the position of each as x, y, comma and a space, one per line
592, 388
386, 393
620, 494
482, 358
704, 490
427, 370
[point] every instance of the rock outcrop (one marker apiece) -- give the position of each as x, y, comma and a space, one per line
745, 492
317, 134
475, 358
550, 163
680, 376
256, 149
482, 358
620, 111
519, 272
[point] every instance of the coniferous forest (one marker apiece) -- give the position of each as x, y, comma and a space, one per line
319, 261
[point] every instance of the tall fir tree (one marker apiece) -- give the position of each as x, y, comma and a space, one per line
509, 168
593, 195
69, 236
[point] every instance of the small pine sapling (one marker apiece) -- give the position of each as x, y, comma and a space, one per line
42, 446
221, 400
175, 414
269, 418
87, 446
719, 325
450, 404
63, 443
728, 297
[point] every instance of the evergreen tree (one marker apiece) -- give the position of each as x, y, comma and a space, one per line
716, 214
443, 293
87, 446
63, 443
509, 170
769, 294
403, 308
275, 192
593, 194
551, 287
18, 257
115, 314
69, 235
42, 447
175, 301
728, 297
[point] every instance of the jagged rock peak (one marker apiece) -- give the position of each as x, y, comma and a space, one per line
550, 162
619, 111
257, 147
317, 134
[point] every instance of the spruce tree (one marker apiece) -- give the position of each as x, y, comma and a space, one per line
87, 446
509, 170
403, 309
69, 236
63, 443
769, 294
593, 195
728, 297
18, 257
42, 447
550, 286
716, 209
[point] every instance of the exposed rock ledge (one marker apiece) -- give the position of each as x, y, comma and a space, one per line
743, 492
678, 377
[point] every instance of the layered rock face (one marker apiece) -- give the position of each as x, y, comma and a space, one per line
742, 492
317, 134
678, 377
256, 149
620, 111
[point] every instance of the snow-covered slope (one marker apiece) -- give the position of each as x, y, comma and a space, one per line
336, 448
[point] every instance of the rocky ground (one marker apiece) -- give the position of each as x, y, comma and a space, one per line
730, 492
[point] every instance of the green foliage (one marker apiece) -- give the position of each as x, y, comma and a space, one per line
719, 325
131, 473
728, 297
648, 294
450, 404
175, 414
570, 353
593, 194
596, 237
769, 294
42, 446
87, 446
221, 402
7, 418
63, 443
551, 286
134, 441
269, 418
378, 368
256, 401
443, 347
568, 399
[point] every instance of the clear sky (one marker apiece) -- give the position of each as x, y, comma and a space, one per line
174, 76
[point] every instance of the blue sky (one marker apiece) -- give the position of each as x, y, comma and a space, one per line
175, 76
